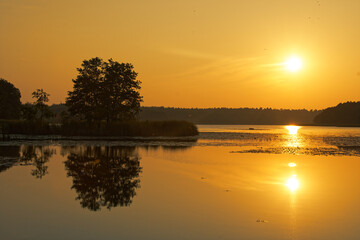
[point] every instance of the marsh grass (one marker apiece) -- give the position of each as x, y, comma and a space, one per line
78, 128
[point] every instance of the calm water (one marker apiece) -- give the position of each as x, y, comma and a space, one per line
231, 182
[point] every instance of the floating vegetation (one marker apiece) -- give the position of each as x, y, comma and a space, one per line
324, 151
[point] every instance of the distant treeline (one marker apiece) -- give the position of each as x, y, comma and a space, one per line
344, 114
230, 115
220, 115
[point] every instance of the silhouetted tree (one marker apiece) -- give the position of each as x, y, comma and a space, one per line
105, 91
104, 177
10, 104
42, 97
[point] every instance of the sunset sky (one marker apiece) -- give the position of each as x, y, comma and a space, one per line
190, 53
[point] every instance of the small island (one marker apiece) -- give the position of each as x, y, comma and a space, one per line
105, 102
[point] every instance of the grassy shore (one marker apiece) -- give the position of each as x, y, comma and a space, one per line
130, 128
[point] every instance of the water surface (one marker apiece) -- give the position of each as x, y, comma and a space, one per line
231, 182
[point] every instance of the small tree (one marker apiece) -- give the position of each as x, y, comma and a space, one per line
41, 107
10, 104
105, 91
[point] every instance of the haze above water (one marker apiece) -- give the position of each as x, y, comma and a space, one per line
231, 182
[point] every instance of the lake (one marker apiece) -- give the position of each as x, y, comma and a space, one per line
230, 182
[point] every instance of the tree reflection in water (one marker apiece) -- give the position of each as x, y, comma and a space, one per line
36, 156
9, 156
26, 155
103, 176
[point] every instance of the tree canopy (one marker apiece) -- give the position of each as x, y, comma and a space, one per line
105, 90
10, 104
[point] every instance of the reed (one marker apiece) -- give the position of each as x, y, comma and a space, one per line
79, 128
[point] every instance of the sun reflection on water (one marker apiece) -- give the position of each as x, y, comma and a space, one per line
292, 164
293, 183
292, 129
293, 139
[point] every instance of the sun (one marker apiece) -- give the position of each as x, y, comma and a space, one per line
293, 64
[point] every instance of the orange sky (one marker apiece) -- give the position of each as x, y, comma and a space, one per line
189, 53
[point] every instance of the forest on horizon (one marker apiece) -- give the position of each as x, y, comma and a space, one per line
220, 115
343, 114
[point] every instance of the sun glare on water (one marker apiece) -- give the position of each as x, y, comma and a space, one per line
293, 64
292, 129
292, 164
292, 183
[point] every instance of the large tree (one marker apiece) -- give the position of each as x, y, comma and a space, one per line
10, 104
105, 91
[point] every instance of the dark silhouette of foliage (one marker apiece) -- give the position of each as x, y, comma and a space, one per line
41, 97
28, 112
131, 128
10, 104
114, 129
221, 115
60, 113
103, 176
229, 115
347, 113
42, 109
29, 127
105, 91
